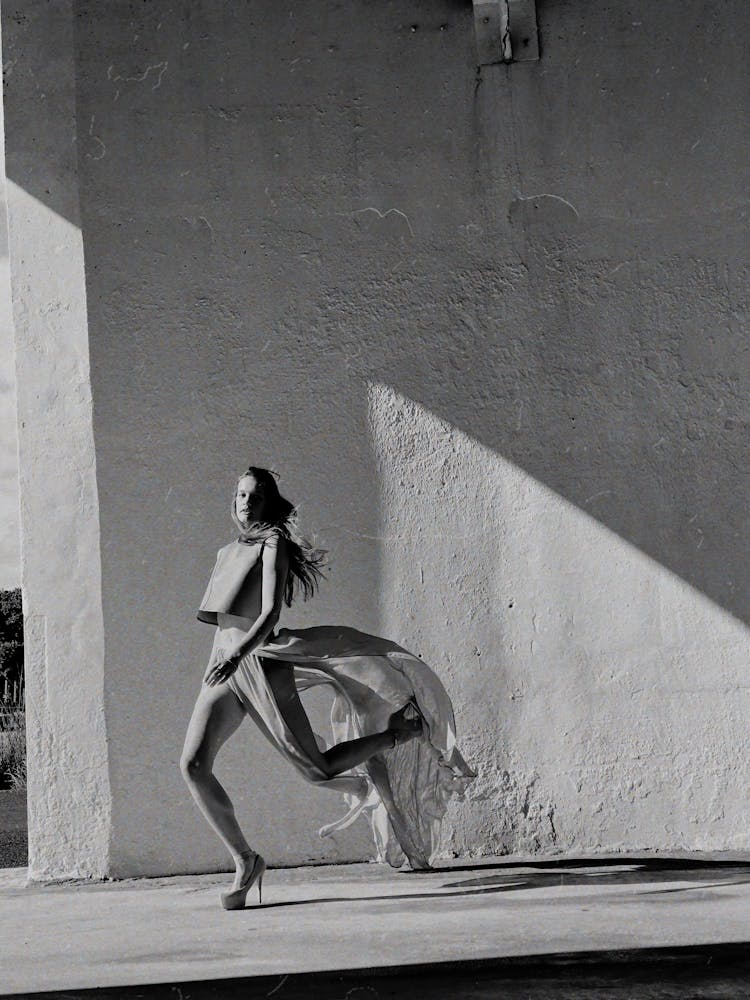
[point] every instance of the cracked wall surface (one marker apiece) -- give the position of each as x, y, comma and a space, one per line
490, 325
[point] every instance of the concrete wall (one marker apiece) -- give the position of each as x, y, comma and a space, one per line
69, 800
10, 535
489, 326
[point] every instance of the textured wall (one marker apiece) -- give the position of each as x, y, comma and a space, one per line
10, 535
491, 329
69, 801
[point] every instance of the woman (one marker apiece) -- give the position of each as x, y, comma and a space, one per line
391, 718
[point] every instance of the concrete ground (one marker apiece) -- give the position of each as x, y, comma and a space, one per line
13, 835
609, 926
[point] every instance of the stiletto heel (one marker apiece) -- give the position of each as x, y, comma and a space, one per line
235, 899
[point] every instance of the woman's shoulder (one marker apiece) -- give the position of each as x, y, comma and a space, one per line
230, 545
236, 545
277, 541
276, 537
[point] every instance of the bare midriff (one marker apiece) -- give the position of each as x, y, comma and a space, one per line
224, 620
240, 623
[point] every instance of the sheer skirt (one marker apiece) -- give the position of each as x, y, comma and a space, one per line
403, 792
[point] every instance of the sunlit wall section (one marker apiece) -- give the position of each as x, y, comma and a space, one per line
10, 550
602, 699
69, 801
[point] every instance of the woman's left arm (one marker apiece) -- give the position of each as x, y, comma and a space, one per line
275, 567
275, 559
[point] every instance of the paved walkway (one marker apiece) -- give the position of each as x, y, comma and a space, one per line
13, 836
495, 912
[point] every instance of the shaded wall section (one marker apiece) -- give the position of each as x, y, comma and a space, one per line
489, 326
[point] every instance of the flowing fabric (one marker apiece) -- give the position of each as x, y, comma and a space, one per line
403, 792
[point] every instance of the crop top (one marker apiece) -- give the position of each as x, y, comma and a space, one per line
236, 584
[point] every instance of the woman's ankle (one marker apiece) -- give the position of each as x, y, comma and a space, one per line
243, 856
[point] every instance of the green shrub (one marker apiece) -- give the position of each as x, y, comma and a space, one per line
12, 748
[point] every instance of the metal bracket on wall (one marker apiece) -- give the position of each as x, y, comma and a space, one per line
505, 31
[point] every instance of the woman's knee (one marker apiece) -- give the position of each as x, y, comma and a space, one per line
195, 766
326, 766
215, 717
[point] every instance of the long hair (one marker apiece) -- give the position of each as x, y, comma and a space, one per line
305, 561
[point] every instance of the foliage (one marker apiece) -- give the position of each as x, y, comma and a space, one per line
11, 615
12, 748
12, 718
11, 635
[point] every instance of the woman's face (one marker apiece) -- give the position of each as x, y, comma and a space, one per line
250, 503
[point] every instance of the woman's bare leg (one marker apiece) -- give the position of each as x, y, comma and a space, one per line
217, 714
337, 759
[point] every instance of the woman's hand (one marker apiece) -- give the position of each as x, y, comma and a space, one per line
221, 671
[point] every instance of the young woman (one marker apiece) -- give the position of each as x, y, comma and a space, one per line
392, 720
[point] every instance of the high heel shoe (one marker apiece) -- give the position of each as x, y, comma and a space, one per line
404, 729
235, 900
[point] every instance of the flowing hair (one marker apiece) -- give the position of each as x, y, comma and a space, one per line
305, 561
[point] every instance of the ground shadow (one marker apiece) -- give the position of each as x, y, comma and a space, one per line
642, 863
710, 971
522, 876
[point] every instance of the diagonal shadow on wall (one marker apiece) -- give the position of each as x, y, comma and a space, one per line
412, 234
279, 210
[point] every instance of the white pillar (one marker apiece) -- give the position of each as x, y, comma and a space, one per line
68, 782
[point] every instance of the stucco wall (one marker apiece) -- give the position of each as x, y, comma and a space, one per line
490, 327
69, 801
10, 535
